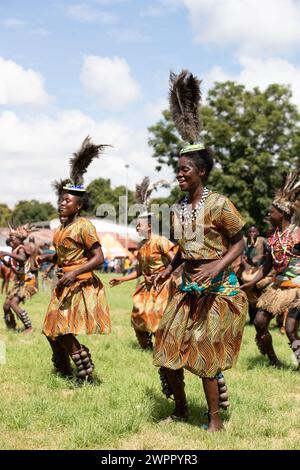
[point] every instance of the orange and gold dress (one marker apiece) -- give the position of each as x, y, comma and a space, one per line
82, 307
149, 304
202, 327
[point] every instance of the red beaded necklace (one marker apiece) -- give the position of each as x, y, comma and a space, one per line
282, 243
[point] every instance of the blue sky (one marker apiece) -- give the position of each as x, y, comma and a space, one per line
69, 68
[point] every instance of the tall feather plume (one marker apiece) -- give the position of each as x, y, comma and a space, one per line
292, 184
184, 98
290, 189
22, 231
58, 185
144, 190
141, 190
289, 196
82, 159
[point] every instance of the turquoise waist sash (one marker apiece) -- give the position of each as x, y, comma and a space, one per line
226, 283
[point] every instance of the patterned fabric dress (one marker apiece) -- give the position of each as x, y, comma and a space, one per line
82, 307
284, 291
149, 304
202, 327
25, 282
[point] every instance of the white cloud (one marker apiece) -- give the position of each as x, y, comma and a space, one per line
13, 23
41, 151
259, 72
110, 81
110, 2
19, 86
40, 31
160, 8
128, 34
254, 26
85, 14
153, 111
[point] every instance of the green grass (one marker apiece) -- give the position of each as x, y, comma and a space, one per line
41, 411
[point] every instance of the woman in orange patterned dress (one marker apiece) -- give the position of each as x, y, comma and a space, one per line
154, 254
78, 304
202, 327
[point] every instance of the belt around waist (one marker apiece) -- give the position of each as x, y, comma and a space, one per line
80, 277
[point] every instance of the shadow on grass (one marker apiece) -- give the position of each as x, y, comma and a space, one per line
163, 407
260, 361
74, 383
133, 344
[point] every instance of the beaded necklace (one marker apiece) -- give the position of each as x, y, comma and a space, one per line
189, 216
282, 243
254, 245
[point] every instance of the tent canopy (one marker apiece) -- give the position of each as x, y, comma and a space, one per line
112, 248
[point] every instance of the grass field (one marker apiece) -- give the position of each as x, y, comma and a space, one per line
41, 411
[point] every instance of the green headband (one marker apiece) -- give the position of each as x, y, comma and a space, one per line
192, 148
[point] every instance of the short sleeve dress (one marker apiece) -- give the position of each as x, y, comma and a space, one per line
202, 327
81, 308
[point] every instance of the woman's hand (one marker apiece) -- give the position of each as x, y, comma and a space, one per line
38, 261
248, 285
149, 279
115, 281
161, 277
2, 254
67, 279
207, 272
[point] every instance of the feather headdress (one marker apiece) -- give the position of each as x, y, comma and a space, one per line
20, 232
81, 160
58, 186
144, 190
184, 99
287, 199
79, 164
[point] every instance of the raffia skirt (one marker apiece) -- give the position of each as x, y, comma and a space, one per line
253, 295
23, 289
276, 299
79, 309
201, 333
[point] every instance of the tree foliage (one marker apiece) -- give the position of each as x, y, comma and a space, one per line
256, 140
101, 192
32, 211
5, 215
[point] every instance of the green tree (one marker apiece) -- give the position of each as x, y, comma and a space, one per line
173, 197
256, 139
32, 211
5, 215
101, 192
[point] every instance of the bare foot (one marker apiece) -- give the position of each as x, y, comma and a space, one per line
215, 426
28, 330
214, 423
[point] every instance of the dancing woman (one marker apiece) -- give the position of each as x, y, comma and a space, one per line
154, 254
24, 284
284, 257
78, 304
202, 327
